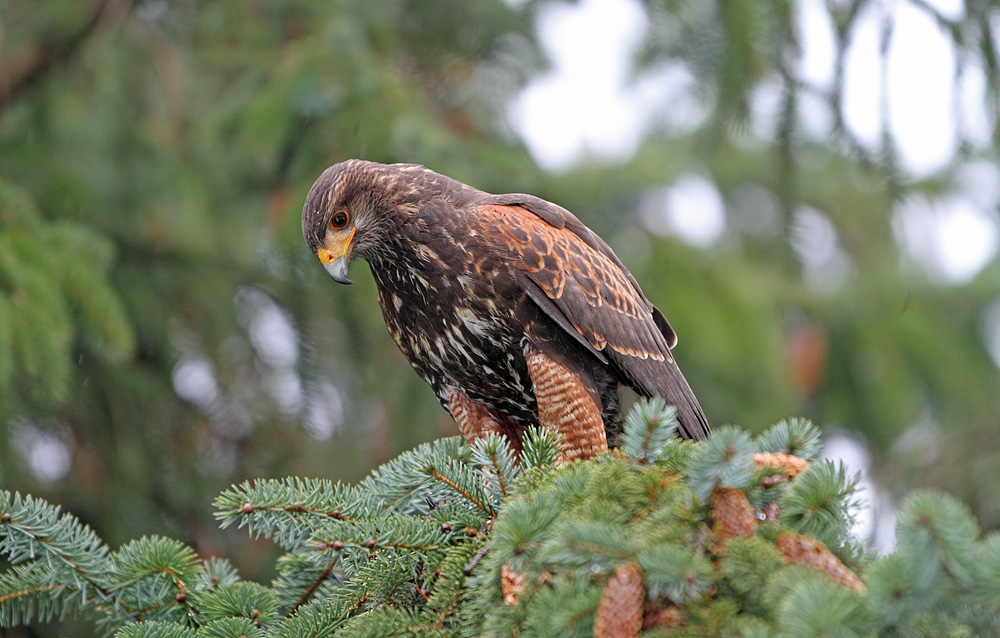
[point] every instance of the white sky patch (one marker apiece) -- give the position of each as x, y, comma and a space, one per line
977, 121
816, 39
591, 104
815, 116
765, 111
814, 240
951, 236
918, 90
194, 381
49, 456
669, 91
691, 209
285, 387
863, 80
583, 103
270, 330
980, 182
921, 63
991, 330
324, 410
276, 341
950, 9
756, 211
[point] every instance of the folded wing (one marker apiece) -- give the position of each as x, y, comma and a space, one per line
574, 277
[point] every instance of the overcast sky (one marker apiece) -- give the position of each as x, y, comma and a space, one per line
591, 44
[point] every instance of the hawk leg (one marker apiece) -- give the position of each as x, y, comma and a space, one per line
566, 406
475, 420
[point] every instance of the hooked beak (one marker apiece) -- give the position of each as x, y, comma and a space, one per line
334, 255
338, 270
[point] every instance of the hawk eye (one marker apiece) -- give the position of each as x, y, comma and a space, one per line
339, 219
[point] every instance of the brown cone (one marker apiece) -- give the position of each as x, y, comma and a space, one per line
659, 617
788, 465
619, 614
804, 550
511, 584
732, 513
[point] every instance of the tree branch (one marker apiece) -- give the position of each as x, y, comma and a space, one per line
31, 67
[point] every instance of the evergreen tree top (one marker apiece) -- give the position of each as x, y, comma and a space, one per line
731, 536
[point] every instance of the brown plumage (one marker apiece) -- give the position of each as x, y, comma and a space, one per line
509, 307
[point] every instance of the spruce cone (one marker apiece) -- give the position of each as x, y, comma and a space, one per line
619, 614
771, 512
788, 464
661, 617
803, 550
511, 584
732, 513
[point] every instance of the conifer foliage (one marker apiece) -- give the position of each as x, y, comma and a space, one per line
731, 536
54, 296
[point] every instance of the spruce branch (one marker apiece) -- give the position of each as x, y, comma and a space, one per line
382, 579
454, 540
286, 511
231, 628
564, 606
318, 619
649, 427
402, 485
384, 532
448, 578
149, 579
986, 573
155, 630
28, 593
386, 622
586, 543
796, 436
215, 572
816, 608
251, 601
748, 564
461, 481
306, 576
724, 460
898, 593
500, 464
676, 572
527, 522
70, 555
820, 501
935, 531
540, 448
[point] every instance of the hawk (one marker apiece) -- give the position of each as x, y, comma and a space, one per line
512, 310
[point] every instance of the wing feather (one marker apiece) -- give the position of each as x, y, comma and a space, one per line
575, 279
587, 285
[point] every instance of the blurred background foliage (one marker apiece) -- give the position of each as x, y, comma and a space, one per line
165, 333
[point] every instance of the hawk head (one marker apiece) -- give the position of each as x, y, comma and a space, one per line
352, 208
